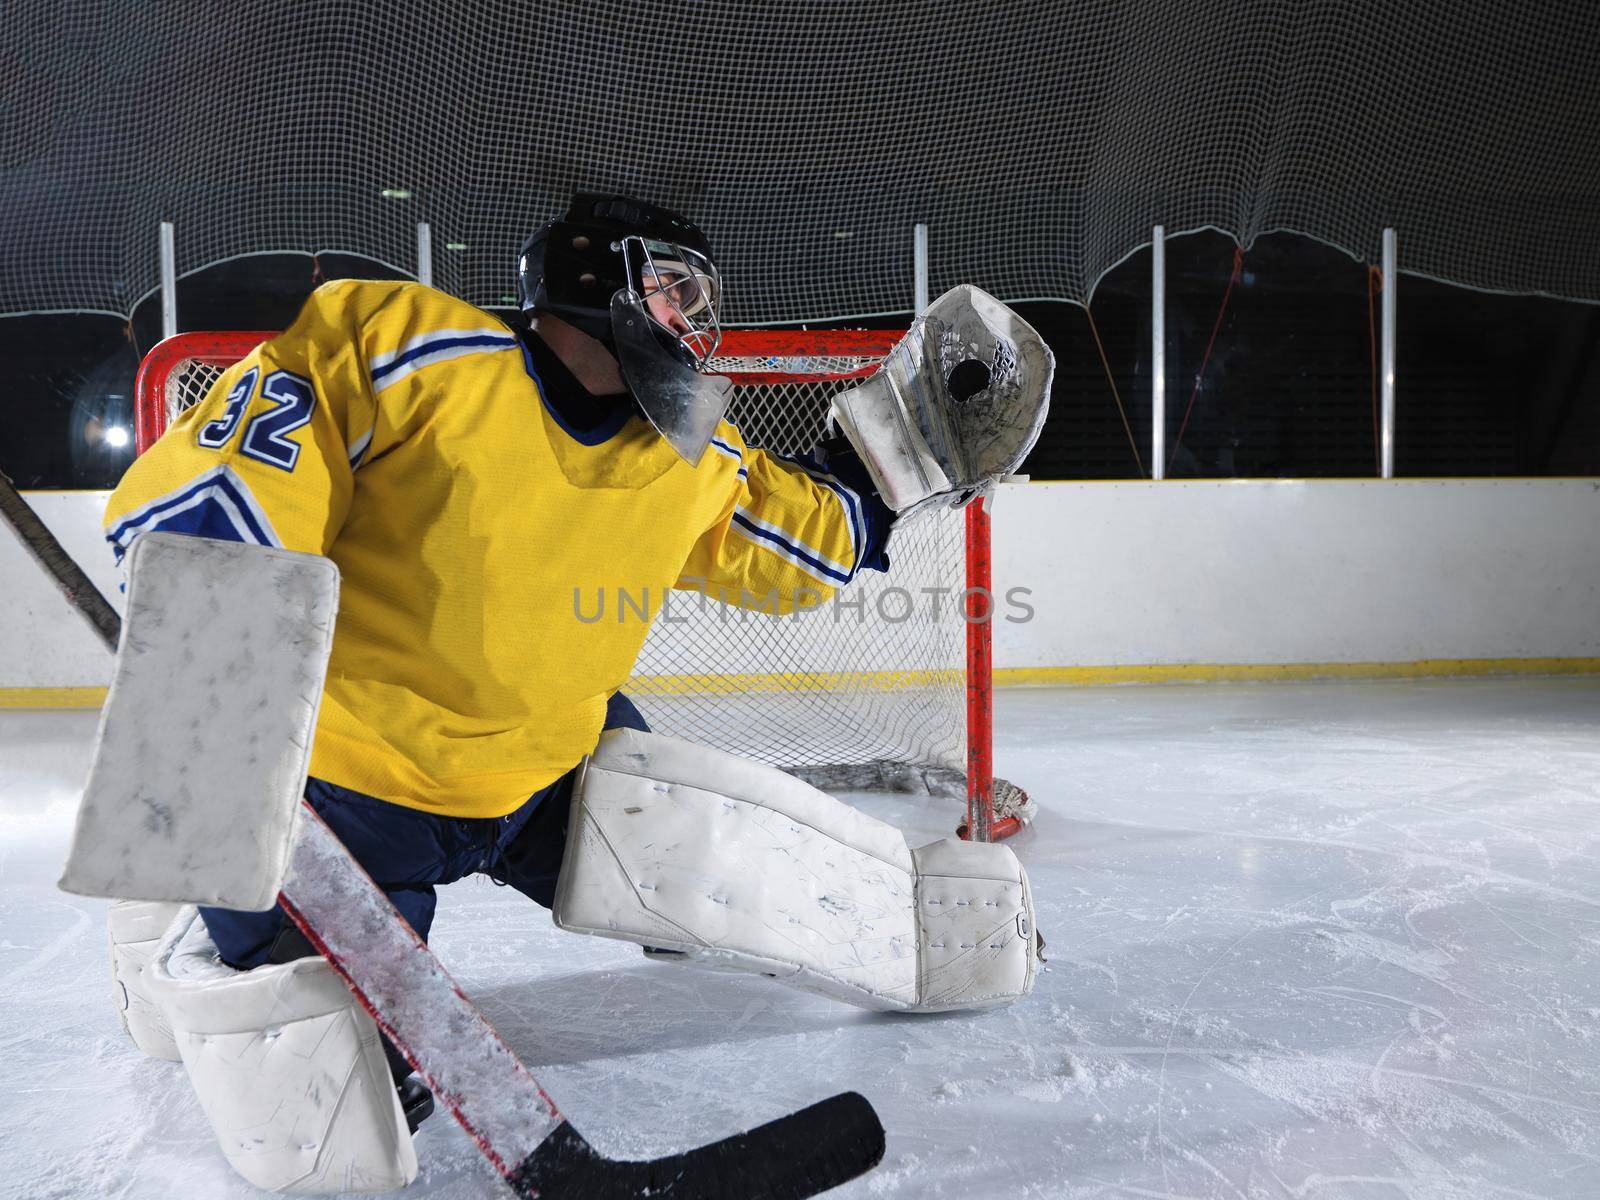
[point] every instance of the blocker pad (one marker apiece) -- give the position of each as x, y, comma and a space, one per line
205, 736
735, 864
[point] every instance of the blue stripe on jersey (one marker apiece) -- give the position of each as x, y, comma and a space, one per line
800, 555
774, 538
600, 434
440, 344
849, 500
723, 448
360, 447
216, 505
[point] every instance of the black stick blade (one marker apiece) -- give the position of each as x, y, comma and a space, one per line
796, 1156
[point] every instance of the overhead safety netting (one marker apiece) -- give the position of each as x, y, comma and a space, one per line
1038, 141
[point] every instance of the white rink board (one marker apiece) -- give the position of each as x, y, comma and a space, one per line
1299, 571
45, 642
1232, 571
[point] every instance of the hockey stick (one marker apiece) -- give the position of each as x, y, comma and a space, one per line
38, 541
500, 1105
470, 1070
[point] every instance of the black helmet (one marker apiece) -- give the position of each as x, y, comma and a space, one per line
639, 279
604, 244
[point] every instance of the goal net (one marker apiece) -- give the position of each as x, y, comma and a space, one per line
885, 687
1038, 142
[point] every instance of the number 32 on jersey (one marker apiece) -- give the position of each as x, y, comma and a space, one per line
265, 433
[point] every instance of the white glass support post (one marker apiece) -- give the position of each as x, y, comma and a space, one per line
1158, 353
169, 280
919, 251
1391, 279
424, 254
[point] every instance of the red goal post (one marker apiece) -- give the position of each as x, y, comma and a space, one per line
901, 703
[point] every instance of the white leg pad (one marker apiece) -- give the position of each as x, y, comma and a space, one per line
135, 928
974, 926
740, 866
287, 1066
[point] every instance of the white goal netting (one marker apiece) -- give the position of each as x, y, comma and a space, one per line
1040, 142
871, 682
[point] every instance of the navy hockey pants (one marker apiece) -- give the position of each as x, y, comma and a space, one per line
409, 853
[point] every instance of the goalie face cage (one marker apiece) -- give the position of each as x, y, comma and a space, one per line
886, 687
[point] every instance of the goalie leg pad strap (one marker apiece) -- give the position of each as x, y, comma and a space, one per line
135, 929
288, 1067
738, 865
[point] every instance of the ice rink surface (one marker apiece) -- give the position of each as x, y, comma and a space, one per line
1305, 941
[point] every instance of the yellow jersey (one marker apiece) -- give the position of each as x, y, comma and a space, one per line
405, 434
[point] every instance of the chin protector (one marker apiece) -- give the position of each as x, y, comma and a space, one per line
288, 1067
683, 404
727, 863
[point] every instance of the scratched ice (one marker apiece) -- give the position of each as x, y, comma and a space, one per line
1305, 941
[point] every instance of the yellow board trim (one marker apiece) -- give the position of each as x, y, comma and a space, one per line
888, 681
1427, 668
62, 697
